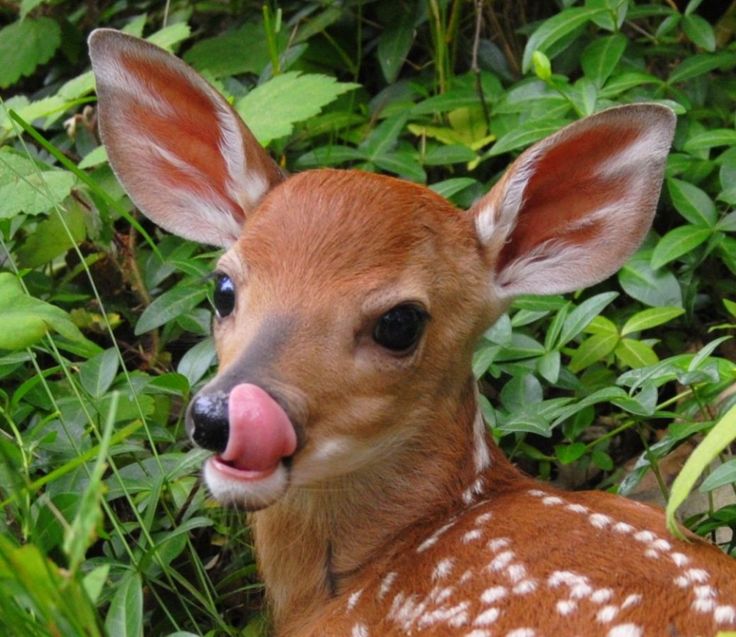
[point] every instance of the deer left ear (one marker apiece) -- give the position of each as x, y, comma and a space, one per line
572, 208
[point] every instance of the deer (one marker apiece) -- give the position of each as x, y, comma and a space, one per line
344, 415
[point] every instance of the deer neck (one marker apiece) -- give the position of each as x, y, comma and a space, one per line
317, 541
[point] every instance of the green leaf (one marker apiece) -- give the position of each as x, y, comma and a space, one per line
524, 135
244, 50
98, 373
699, 31
635, 353
195, 363
652, 287
125, 615
95, 580
172, 303
402, 163
602, 460
716, 441
678, 242
626, 81
272, 109
542, 66
53, 237
647, 319
592, 350
555, 29
725, 474
448, 154
395, 41
383, 137
579, 318
170, 35
711, 138
549, 366
601, 56
330, 156
567, 454
453, 186
24, 45
692, 203
700, 64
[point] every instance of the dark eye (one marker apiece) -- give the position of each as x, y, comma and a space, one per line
224, 296
399, 329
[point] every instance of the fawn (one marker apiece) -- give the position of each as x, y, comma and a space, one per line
344, 416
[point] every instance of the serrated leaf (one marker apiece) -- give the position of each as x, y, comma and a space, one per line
272, 109
711, 138
170, 305
635, 353
678, 242
555, 29
592, 350
699, 31
98, 373
692, 202
652, 317
601, 56
24, 45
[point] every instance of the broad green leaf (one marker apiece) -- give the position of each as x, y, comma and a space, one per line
93, 158
678, 242
244, 50
555, 29
567, 454
592, 350
646, 319
722, 435
711, 138
722, 475
700, 64
453, 186
26, 6
53, 237
579, 318
692, 203
402, 163
125, 615
169, 305
34, 192
395, 41
549, 366
601, 56
98, 373
704, 352
635, 353
195, 363
383, 137
626, 81
170, 35
699, 31
643, 403
451, 154
652, 287
24, 45
524, 136
94, 581
526, 423
330, 156
522, 390
273, 108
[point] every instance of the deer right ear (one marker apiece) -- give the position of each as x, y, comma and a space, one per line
182, 153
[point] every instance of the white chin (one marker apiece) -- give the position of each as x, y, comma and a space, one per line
246, 490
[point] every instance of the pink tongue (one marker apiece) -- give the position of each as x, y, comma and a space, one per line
260, 431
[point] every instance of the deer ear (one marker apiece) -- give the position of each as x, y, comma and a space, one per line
179, 149
571, 209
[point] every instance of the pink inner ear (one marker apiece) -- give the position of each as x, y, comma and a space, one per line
566, 185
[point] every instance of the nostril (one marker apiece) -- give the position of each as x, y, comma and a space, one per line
209, 417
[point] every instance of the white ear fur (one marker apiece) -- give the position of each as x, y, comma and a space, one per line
603, 175
180, 150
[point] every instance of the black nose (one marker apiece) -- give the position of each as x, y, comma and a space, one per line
208, 421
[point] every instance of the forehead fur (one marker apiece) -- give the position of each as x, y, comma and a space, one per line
348, 223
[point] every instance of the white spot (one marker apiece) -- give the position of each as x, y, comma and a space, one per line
566, 606
501, 561
443, 568
704, 591
577, 508
607, 614
652, 554
682, 581
481, 454
487, 617
442, 594
599, 521
625, 630
359, 630
580, 590
498, 543
516, 572
432, 539
601, 596
725, 615
467, 574
525, 587
661, 545
521, 632
474, 489
483, 518
353, 599
478, 632
536, 493
474, 534
631, 600
564, 577
623, 527
386, 584
455, 616
680, 559
703, 605
552, 500
493, 594
697, 575
645, 536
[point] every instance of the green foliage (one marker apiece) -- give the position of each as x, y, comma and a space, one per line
104, 321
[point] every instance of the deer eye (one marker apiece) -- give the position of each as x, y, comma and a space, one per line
224, 296
400, 328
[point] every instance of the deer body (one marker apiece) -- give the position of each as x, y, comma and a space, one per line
344, 414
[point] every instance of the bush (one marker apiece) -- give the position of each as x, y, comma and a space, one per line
104, 321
